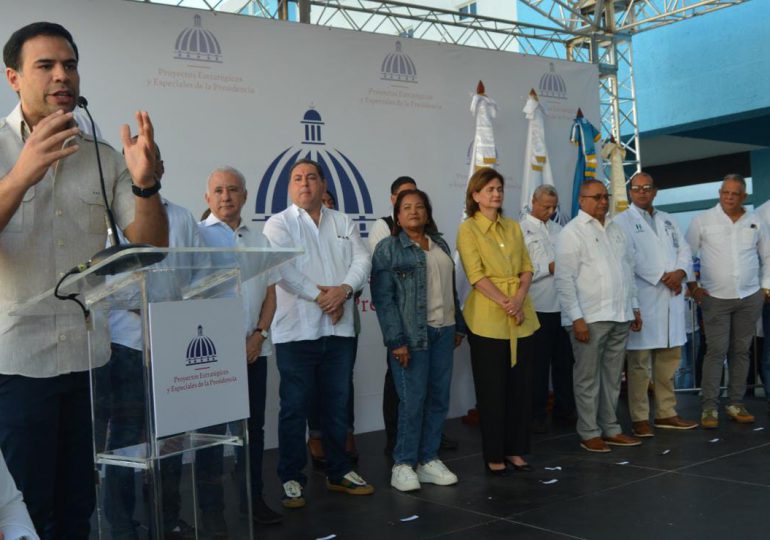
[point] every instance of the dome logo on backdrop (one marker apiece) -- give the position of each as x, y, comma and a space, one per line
201, 350
399, 67
554, 95
552, 85
398, 86
197, 44
343, 179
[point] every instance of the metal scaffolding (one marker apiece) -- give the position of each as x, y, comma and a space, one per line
592, 31
611, 24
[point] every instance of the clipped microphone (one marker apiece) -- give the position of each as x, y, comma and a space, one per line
130, 261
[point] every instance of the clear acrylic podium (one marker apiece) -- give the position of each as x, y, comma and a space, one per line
171, 458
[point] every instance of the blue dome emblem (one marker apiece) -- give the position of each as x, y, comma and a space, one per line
343, 179
397, 66
552, 85
201, 350
196, 43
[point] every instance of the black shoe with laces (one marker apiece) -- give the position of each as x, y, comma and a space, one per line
182, 531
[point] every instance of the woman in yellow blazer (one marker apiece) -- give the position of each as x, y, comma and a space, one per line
500, 317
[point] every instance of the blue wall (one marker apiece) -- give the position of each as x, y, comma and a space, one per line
704, 69
707, 70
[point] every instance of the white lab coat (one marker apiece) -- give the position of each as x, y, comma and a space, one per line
655, 252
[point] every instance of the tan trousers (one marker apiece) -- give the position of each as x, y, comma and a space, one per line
663, 364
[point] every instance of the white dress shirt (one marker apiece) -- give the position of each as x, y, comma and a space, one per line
15, 522
334, 254
216, 233
541, 244
731, 253
380, 230
594, 276
658, 247
125, 325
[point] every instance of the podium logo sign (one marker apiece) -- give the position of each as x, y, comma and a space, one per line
201, 350
202, 381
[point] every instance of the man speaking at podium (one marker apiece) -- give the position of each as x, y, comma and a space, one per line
52, 219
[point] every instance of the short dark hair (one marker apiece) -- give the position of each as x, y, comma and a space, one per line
334, 201
400, 181
478, 180
12, 49
430, 227
306, 161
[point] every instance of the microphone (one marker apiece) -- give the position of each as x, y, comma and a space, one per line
130, 261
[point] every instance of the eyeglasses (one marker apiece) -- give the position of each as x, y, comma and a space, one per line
599, 197
644, 189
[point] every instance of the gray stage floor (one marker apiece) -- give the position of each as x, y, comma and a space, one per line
695, 484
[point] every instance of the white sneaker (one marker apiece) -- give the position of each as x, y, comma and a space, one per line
292, 495
435, 472
403, 478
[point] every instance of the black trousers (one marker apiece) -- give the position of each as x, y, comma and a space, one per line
390, 403
45, 435
503, 395
554, 358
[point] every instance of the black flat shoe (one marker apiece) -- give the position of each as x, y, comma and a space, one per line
499, 473
520, 468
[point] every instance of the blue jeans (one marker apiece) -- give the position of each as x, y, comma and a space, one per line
328, 363
423, 390
314, 411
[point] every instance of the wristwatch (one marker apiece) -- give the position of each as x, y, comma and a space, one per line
145, 192
348, 291
264, 333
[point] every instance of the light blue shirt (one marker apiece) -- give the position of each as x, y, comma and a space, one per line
216, 233
126, 326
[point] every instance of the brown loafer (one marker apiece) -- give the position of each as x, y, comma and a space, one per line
622, 440
595, 445
642, 429
674, 422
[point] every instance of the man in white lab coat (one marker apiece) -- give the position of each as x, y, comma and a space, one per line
662, 263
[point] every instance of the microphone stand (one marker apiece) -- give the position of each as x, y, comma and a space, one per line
129, 261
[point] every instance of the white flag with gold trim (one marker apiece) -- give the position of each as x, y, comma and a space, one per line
483, 153
537, 166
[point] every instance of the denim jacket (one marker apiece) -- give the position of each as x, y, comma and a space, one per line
399, 290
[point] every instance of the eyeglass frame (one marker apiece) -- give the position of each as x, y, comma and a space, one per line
598, 197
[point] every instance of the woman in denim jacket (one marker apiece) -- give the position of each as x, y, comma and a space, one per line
413, 289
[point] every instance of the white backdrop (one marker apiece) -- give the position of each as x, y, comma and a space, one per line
379, 113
